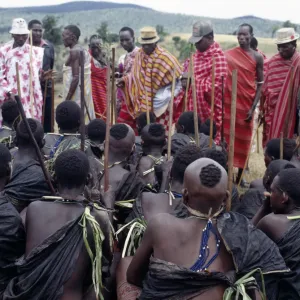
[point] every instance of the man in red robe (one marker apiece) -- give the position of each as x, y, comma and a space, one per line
282, 86
207, 48
249, 64
98, 76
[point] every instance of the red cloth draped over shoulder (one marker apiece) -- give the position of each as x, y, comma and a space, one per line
98, 78
246, 88
280, 74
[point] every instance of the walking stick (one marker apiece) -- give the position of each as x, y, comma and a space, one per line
37, 149
30, 74
113, 96
107, 134
52, 103
82, 118
281, 145
44, 103
223, 114
195, 104
212, 107
257, 139
187, 87
232, 136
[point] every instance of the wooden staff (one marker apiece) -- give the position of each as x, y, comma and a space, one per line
187, 87
195, 104
52, 103
44, 104
113, 94
223, 113
212, 105
82, 118
257, 139
232, 136
30, 74
171, 114
281, 145
106, 148
288, 113
37, 149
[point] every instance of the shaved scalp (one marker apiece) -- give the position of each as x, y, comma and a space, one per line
205, 183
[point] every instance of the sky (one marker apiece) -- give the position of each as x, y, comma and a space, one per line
268, 9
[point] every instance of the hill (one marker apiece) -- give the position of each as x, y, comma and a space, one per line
118, 15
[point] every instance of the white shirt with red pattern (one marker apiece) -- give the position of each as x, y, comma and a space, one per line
8, 79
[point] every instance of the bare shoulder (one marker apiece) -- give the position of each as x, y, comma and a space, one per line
101, 217
274, 226
258, 57
163, 221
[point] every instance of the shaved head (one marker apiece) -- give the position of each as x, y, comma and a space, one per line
205, 185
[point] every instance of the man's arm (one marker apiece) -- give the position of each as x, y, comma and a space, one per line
3, 82
75, 64
264, 210
139, 266
259, 83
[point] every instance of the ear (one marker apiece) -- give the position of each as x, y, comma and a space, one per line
285, 198
185, 196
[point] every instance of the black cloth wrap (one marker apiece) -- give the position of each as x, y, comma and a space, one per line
249, 247
12, 241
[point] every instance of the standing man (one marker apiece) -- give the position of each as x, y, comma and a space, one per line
207, 48
150, 79
71, 70
249, 64
48, 62
282, 87
30, 64
127, 41
98, 76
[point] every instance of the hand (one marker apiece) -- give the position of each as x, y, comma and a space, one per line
46, 75
109, 198
249, 115
120, 83
167, 165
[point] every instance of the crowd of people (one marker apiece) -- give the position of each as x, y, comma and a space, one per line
135, 223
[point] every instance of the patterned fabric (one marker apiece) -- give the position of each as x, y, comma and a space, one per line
125, 65
67, 79
276, 91
149, 74
8, 79
203, 76
246, 88
98, 77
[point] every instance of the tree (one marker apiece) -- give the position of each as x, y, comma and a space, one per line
161, 32
52, 33
106, 36
288, 24
274, 29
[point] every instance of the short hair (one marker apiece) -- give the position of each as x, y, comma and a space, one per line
218, 156
273, 148
71, 168
96, 130
33, 22
10, 111
5, 159
210, 175
156, 135
253, 43
95, 37
74, 29
67, 115
187, 155
186, 120
205, 128
141, 120
289, 182
22, 134
127, 29
119, 131
247, 25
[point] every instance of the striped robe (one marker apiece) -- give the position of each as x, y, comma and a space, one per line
149, 74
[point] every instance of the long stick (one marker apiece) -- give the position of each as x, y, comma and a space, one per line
52, 103
171, 114
232, 136
223, 112
30, 74
106, 149
37, 149
281, 145
44, 103
288, 113
257, 139
113, 96
195, 104
212, 106
82, 118
187, 87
